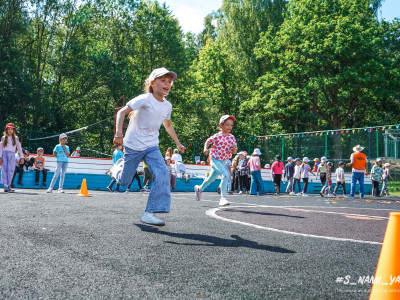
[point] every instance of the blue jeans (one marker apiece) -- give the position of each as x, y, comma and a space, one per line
354, 177
218, 168
61, 167
160, 193
256, 182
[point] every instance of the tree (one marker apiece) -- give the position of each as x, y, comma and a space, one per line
326, 60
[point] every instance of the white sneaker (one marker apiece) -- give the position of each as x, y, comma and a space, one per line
223, 202
292, 193
60, 191
49, 191
298, 194
197, 192
241, 192
305, 195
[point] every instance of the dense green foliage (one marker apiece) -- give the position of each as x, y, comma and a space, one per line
277, 65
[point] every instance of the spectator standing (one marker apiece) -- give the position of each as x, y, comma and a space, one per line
340, 178
61, 151
296, 176
277, 170
376, 177
172, 176
385, 175
289, 172
358, 162
255, 171
305, 171
8, 146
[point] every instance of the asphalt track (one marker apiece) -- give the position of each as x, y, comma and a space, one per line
60, 246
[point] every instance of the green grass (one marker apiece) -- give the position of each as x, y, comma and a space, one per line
394, 187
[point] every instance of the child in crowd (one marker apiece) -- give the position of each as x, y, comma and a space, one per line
340, 178
21, 163
276, 170
141, 141
61, 151
327, 188
255, 171
376, 177
172, 176
296, 176
117, 155
147, 178
385, 175
8, 146
169, 153
39, 167
235, 174
289, 172
180, 168
244, 172
77, 152
135, 176
304, 171
316, 164
224, 145
322, 171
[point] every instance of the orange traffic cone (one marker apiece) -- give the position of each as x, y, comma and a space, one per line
84, 191
387, 277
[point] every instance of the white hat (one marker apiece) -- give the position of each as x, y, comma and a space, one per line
305, 159
257, 151
242, 153
226, 117
378, 159
290, 158
358, 148
63, 135
40, 149
167, 158
323, 159
78, 148
161, 72
387, 165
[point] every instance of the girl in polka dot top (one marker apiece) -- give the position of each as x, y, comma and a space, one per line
224, 145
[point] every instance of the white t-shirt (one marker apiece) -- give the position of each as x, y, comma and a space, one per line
339, 173
176, 157
297, 169
144, 126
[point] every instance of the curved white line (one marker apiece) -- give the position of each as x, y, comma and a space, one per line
212, 213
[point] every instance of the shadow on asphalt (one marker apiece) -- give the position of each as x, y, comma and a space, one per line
214, 241
263, 213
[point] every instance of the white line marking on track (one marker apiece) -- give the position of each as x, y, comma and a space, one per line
212, 213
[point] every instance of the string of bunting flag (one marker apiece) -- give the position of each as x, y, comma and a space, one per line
310, 133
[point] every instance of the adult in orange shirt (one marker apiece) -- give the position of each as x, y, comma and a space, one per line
358, 162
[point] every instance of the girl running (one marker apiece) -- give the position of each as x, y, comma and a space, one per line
224, 145
141, 141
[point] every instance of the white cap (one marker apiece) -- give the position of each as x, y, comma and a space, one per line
290, 158
40, 149
63, 135
78, 148
167, 158
305, 159
323, 159
387, 165
257, 151
242, 153
226, 117
161, 72
378, 159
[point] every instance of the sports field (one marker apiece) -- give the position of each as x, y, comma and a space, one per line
60, 246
